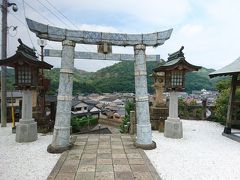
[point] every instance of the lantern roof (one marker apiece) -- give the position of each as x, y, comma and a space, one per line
230, 69
24, 54
175, 61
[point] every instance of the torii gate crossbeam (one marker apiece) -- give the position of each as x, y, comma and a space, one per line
61, 134
100, 56
89, 37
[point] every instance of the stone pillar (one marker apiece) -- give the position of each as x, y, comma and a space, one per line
173, 125
26, 130
144, 132
61, 134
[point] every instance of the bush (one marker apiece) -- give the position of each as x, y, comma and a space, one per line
124, 126
80, 122
222, 106
189, 110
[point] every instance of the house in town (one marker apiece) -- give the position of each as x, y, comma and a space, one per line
83, 108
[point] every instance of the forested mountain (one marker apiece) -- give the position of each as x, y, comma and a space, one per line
199, 80
120, 78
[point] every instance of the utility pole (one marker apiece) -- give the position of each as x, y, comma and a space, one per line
4, 7
4, 68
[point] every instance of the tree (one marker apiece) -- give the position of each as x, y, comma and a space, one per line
222, 100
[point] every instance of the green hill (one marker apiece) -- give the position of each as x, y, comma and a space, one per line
120, 78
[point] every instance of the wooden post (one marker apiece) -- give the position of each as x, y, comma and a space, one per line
228, 127
204, 109
132, 122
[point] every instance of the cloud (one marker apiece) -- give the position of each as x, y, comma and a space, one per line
153, 11
191, 30
98, 28
209, 30
222, 11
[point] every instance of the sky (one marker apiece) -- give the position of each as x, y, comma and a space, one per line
208, 29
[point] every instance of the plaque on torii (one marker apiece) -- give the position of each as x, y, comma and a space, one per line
61, 134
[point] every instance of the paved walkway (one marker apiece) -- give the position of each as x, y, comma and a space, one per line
103, 157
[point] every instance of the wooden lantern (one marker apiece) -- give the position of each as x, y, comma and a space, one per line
175, 69
175, 79
26, 76
26, 67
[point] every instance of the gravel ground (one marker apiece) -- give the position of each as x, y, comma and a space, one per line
23, 161
203, 153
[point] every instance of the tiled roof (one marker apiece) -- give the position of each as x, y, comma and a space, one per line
232, 68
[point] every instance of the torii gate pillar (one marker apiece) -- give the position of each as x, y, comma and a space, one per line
144, 133
61, 133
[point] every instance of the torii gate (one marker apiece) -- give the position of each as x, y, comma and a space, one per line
61, 134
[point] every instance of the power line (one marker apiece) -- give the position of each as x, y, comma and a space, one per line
25, 26
25, 22
38, 12
52, 13
65, 18
18, 19
61, 14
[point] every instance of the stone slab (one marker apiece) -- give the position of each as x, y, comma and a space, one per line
114, 156
86, 168
104, 168
104, 161
120, 161
142, 176
134, 155
80, 164
88, 161
65, 176
85, 176
121, 168
173, 129
139, 168
136, 161
123, 176
26, 132
104, 176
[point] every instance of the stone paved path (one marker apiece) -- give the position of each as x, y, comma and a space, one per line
103, 157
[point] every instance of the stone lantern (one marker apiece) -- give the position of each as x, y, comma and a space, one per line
26, 66
175, 69
159, 81
159, 110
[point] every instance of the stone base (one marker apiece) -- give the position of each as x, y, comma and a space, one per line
26, 131
57, 149
14, 130
146, 146
227, 130
173, 128
232, 136
157, 117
